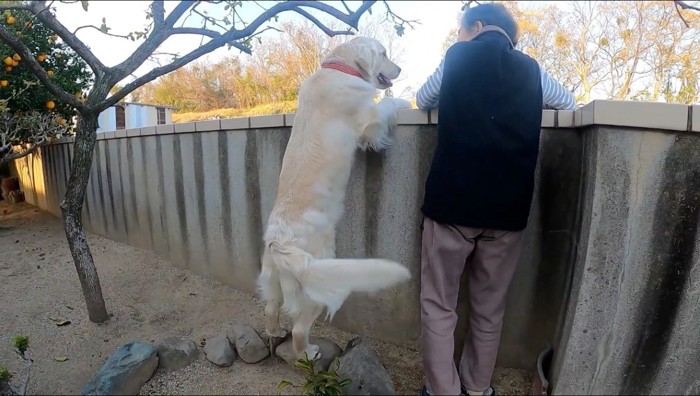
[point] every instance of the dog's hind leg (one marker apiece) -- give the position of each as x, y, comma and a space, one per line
301, 330
271, 291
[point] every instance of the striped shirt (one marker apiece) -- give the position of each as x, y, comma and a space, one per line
554, 94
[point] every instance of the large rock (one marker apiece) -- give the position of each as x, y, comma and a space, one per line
250, 347
218, 350
125, 372
175, 353
329, 350
361, 365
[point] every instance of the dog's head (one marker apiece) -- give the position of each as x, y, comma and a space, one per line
369, 57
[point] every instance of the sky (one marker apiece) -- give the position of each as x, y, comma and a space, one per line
422, 44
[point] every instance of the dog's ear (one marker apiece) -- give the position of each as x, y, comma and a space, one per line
365, 59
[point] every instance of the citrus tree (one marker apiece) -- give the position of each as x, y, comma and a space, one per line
30, 115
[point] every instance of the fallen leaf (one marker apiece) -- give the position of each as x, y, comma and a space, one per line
59, 322
69, 307
60, 358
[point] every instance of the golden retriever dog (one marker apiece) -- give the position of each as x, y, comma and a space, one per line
336, 114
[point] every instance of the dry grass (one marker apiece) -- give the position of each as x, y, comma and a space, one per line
269, 108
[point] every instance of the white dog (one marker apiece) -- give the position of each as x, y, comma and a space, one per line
336, 114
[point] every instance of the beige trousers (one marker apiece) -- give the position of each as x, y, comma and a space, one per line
494, 256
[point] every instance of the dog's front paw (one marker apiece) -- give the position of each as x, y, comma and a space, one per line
402, 103
313, 352
277, 333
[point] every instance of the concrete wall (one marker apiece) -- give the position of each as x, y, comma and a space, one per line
611, 249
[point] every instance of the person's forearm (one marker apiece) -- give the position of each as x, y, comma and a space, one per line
556, 95
428, 95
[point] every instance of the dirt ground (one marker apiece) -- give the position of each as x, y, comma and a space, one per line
150, 300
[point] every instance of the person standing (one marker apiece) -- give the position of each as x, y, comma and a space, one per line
478, 192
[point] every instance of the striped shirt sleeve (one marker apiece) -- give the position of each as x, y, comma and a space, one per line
428, 95
554, 94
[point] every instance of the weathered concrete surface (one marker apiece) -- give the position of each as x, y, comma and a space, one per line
633, 320
613, 207
201, 200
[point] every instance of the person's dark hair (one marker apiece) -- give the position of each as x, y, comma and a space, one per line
492, 14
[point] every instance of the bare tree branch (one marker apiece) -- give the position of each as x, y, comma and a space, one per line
158, 36
178, 12
158, 9
159, 71
346, 6
219, 39
7, 155
42, 12
125, 36
13, 6
319, 24
33, 65
682, 5
197, 31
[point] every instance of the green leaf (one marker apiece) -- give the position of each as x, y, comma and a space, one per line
84, 3
283, 384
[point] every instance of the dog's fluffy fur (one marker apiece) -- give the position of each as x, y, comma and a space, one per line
336, 114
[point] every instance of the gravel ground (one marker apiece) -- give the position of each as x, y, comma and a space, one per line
149, 300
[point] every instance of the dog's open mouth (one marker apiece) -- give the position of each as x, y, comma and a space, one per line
383, 81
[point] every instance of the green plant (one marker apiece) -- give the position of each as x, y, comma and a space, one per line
20, 343
4, 376
57, 59
321, 382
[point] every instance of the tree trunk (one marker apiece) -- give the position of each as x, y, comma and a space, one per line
72, 206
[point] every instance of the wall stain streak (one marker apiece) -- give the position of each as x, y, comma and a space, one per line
180, 199
199, 193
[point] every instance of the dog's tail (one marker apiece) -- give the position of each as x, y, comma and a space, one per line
328, 282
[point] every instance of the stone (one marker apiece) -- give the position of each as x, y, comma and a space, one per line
361, 365
274, 342
218, 350
329, 350
250, 347
125, 372
175, 353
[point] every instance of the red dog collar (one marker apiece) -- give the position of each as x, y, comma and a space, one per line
341, 67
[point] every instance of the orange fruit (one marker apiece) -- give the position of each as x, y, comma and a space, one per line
8, 69
10, 20
16, 57
49, 72
8, 61
62, 121
4, 83
50, 104
15, 63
